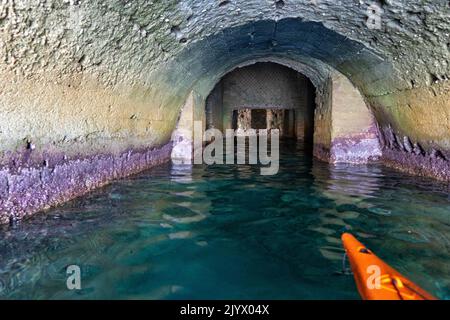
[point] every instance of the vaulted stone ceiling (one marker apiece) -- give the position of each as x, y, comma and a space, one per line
140, 35
166, 47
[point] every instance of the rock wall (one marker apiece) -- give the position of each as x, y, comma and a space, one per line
214, 108
323, 121
354, 131
84, 79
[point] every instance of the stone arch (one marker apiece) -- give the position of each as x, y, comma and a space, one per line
345, 130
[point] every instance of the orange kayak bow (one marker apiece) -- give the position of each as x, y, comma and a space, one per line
375, 279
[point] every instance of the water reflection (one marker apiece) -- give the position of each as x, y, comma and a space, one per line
179, 232
181, 173
344, 183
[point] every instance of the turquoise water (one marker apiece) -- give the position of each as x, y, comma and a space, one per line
223, 232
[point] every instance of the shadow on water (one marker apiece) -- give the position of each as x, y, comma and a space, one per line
225, 231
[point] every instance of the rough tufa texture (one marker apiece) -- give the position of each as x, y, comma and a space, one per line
26, 190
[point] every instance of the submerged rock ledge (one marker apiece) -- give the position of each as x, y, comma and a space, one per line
28, 190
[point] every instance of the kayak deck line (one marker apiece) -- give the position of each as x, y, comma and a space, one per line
375, 279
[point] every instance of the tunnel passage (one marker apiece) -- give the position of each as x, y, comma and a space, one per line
99, 90
329, 115
264, 95
282, 120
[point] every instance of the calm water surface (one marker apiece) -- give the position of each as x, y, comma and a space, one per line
224, 232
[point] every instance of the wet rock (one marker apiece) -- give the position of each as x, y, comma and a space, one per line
417, 150
32, 189
430, 165
390, 138
223, 3
279, 4
399, 142
436, 154
407, 144
30, 146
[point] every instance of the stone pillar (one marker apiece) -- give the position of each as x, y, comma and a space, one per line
269, 119
345, 130
275, 120
323, 121
214, 108
244, 120
183, 136
290, 115
300, 115
227, 120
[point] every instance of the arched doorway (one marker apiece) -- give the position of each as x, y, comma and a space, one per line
263, 95
321, 107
